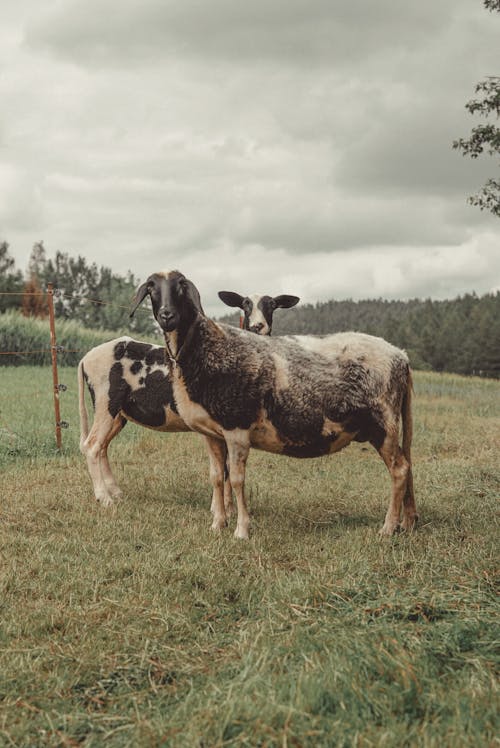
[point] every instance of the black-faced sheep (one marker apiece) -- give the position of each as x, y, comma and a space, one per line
129, 381
303, 396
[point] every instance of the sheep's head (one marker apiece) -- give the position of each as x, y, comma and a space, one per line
258, 310
174, 299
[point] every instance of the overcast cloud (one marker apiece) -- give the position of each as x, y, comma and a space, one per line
283, 146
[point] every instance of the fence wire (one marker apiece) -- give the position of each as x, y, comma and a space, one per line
59, 294
54, 350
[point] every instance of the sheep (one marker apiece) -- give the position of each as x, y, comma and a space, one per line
129, 381
302, 396
258, 309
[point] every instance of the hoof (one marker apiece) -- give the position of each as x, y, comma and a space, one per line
409, 524
388, 530
105, 501
218, 525
241, 534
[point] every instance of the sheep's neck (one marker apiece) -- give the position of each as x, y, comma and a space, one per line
178, 341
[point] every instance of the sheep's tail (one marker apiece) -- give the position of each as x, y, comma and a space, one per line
407, 417
84, 419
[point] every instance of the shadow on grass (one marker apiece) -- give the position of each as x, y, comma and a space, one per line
308, 518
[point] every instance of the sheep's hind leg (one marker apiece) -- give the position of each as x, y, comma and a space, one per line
399, 470
238, 448
112, 486
92, 448
93, 456
410, 516
228, 489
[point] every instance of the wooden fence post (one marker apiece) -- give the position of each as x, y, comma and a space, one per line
53, 348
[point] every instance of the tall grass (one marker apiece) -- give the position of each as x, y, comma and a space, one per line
139, 627
31, 337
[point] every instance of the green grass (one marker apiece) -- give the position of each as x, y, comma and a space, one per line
139, 627
26, 341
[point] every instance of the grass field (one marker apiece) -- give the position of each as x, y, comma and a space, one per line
140, 627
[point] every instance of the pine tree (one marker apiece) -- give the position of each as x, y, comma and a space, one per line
11, 280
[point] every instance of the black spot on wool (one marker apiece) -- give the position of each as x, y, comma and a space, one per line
136, 367
119, 389
147, 403
315, 449
368, 426
119, 350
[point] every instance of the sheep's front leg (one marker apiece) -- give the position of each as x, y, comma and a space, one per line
238, 446
216, 454
228, 491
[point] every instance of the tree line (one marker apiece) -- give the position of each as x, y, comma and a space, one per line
461, 335
94, 296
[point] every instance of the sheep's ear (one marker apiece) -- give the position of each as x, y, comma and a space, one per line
139, 297
194, 295
285, 301
231, 299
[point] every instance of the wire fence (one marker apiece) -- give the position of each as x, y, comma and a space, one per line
53, 348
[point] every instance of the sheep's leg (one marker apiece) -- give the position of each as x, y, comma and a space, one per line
228, 489
92, 448
410, 516
113, 488
399, 469
216, 454
238, 448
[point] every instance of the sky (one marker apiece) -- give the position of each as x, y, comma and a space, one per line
277, 146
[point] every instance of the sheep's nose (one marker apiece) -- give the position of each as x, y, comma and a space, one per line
164, 316
257, 328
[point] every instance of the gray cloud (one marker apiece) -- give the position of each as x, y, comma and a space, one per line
299, 31
304, 142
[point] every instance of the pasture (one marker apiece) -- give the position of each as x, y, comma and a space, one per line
139, 627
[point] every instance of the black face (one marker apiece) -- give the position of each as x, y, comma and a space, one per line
173, 297
166, 301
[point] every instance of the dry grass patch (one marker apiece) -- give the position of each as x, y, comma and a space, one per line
141, 627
